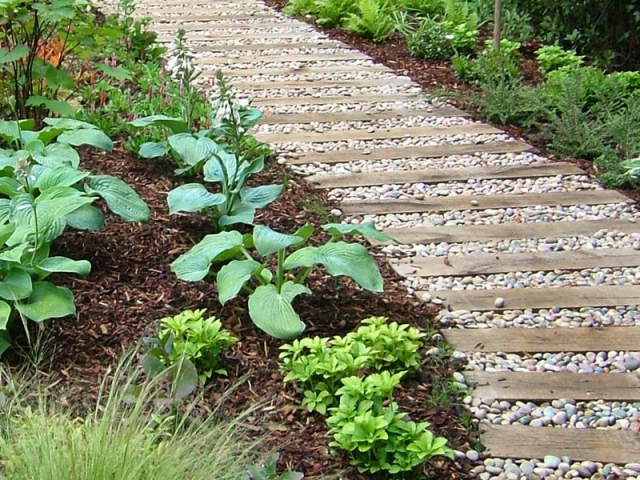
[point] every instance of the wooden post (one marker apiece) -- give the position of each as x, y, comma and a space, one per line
497, 25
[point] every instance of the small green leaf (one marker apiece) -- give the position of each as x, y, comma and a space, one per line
260, 197
119, 73
5, 315
47, 301
57, 107
16, 285
268, 241
367, 230
192, 197
67, 265
14, 55
272, 311
120, 197
154, 149
233, 276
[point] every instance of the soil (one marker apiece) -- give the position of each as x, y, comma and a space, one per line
131, 287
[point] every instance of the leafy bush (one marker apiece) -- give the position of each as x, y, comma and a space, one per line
129, 433
353, 378
267, 470
192, 338
318, 365
371, 21
271, 293
301, 7
440, 40
332, 13
370, 427
553, 57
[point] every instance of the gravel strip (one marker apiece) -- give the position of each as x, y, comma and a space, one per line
355, 64
298, 28
337, 76
418, 104
405, 164
315, 92
496, 186
266, 41
279, 51
257, 22
552, 317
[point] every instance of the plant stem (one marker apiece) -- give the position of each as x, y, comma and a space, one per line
302, 275
280, 277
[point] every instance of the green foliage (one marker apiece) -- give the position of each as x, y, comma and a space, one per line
272, 292
440, 40
140, 42
553, 57
353, 378
372, 20
199, 340
129, 433
267, 470
318, 365
41, 192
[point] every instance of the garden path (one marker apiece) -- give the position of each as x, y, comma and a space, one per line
534, 264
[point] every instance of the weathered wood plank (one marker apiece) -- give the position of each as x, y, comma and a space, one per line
510, 231
580, 444
533, 340
266, 46
206, 16
247, 72
191, 4
339, 99
359, 116
434, 151
230, 36
535, 386
444, 175
316, 57
226, 26
481, 202
537, 298
289, 85
488, 263
383, 133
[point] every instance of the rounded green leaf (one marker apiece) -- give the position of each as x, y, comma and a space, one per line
194, 265
349, 259
240, 214
94, 137
58, 155
5, 314
86, 217
47, 301
60, 177
185, 146
367, 230
67, 265
192, 197
176, 125
260, 197
16, 285
272, 311
120, 197
153, 149
233, 276
268, 241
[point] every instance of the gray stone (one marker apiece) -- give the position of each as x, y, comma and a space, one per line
552, 461
473, 455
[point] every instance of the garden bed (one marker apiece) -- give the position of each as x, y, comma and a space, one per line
131, 287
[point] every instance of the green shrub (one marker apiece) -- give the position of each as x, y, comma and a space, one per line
130, 433
331, 13
301, 7
372, 20
440, 40
553, 57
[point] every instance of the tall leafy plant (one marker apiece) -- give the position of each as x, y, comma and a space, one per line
273, 290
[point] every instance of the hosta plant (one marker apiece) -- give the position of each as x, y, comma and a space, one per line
41, 192
272, 291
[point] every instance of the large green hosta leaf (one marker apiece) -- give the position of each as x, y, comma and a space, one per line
268, 241
176, 125
194, 265
185, 146
192, 197
65, 265
272, 311
60, 177
260, 197
154, 149
86, 217
85, 136
47, 301
349, 259
233, 276
120, 197
16, 285
240, 214
57, 155
222, 167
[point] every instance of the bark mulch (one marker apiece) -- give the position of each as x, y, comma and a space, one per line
131, 287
